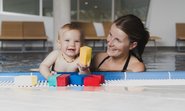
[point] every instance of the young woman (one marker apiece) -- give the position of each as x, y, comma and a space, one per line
125, 45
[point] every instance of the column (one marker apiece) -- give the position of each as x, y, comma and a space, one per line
61, 12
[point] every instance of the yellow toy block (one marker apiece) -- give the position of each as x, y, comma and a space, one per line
85, 55
25, 80
34, 80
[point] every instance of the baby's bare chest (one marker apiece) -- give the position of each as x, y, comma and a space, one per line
62, 66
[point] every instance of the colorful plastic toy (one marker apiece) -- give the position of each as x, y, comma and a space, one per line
63, 80
85, 55
75, 79
52, 80
25, 80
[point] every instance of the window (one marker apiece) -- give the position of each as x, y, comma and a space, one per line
31, 7
91, 10
74, 10
136, 7
21, 6
102, 10
47, 8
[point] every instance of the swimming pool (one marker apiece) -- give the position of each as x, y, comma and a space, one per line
110, 97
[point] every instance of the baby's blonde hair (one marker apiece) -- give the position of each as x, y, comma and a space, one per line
72, 26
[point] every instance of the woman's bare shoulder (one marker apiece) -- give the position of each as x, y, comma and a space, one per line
136, 65
99, 57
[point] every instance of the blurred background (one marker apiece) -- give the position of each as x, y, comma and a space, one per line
164, 51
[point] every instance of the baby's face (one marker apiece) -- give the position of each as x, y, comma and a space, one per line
70, 42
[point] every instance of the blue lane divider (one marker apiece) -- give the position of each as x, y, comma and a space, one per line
4, 75
146, 75
157, 75
178, 75
112, 75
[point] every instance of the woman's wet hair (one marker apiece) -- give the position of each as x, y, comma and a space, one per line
134, 28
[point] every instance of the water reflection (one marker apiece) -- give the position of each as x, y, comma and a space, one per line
164, 60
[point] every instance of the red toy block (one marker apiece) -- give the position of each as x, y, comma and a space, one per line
94, 80
63, 80
91, 81
99, 76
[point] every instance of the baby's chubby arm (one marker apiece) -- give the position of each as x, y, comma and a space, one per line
47, 63
83, 69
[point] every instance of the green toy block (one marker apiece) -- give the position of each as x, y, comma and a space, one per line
52, 80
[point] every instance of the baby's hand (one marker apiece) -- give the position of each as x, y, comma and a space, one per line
52, 73
83, 69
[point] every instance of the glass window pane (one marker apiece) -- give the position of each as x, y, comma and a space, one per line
48, 8
93, 10
74, 10
22, 6
136, 7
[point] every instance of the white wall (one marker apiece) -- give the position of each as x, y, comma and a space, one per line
163, 14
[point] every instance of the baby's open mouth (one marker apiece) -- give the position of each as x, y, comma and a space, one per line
71, 49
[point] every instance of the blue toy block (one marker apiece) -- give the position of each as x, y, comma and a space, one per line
52, 80
77, 79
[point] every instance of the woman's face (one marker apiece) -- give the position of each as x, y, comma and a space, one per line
118, 43
70, 42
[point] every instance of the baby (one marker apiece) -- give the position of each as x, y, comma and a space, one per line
66, 58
